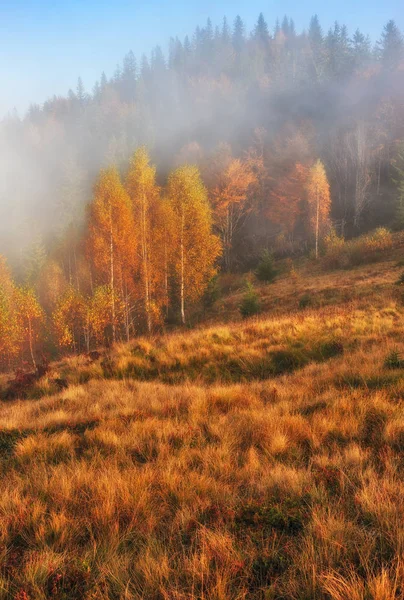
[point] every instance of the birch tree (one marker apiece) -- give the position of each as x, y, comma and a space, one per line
195, 247
319, 200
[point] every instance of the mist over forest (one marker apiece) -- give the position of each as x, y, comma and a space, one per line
285, 96
202, 314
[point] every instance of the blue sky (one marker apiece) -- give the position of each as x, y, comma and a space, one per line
46, 44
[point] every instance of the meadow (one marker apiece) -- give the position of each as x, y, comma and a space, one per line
243, 459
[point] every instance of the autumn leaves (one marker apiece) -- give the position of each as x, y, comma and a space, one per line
147, 248
148, 252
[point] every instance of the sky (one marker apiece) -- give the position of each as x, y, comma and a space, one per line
46, 44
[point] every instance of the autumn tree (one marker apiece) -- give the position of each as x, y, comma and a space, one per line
100, 313
162, 256
230, 180
30, 318
111, 236
287, 197
195, 247
70, 320
318, 200
9, 330
144, 195
50, 285
398, 164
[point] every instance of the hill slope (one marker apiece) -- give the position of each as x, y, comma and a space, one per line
254, 459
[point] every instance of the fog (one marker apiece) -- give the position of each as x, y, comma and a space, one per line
218, 85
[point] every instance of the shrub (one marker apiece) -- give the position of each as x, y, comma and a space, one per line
305, 301
335, 251
266, 269
368, 246
340, 254
286, 361
212, 292
250, 304
394, 360
330, 349
400, 280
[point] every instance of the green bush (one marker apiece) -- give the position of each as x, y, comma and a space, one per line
250, 304
305, 301
394, 360
212, 292
266, 269
400, 280
287, 361
330, 349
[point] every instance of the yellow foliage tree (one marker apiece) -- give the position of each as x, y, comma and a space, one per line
111, 236
162, 257
318, 199
30, 318
144, 194
195, 247
51, 285
9, 330
99, 315
70, 319
231, 179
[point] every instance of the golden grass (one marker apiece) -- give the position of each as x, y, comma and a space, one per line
172, 480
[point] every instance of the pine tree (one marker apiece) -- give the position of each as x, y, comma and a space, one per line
360, 50
238, 35
128, 78
261, 33
225, 31
316, 43
80, 92
391, 46
285, 26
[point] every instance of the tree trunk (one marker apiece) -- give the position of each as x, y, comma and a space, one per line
31, 349
145, 257
87, 331
182, 271
317, 222
111, 250
166, 273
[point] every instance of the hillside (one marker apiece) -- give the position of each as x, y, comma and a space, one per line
249, 459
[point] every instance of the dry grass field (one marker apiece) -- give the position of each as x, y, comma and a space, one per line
256, 459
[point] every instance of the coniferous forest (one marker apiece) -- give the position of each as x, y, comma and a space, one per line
121, 203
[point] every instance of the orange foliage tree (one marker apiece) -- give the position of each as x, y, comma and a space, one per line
51, 285
30, 318
9, 329
111, 239
99, 316
70, 319
286, 198
318, 199
231, 179
144, 195
195, 247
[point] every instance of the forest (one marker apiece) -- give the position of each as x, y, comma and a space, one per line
118, 207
